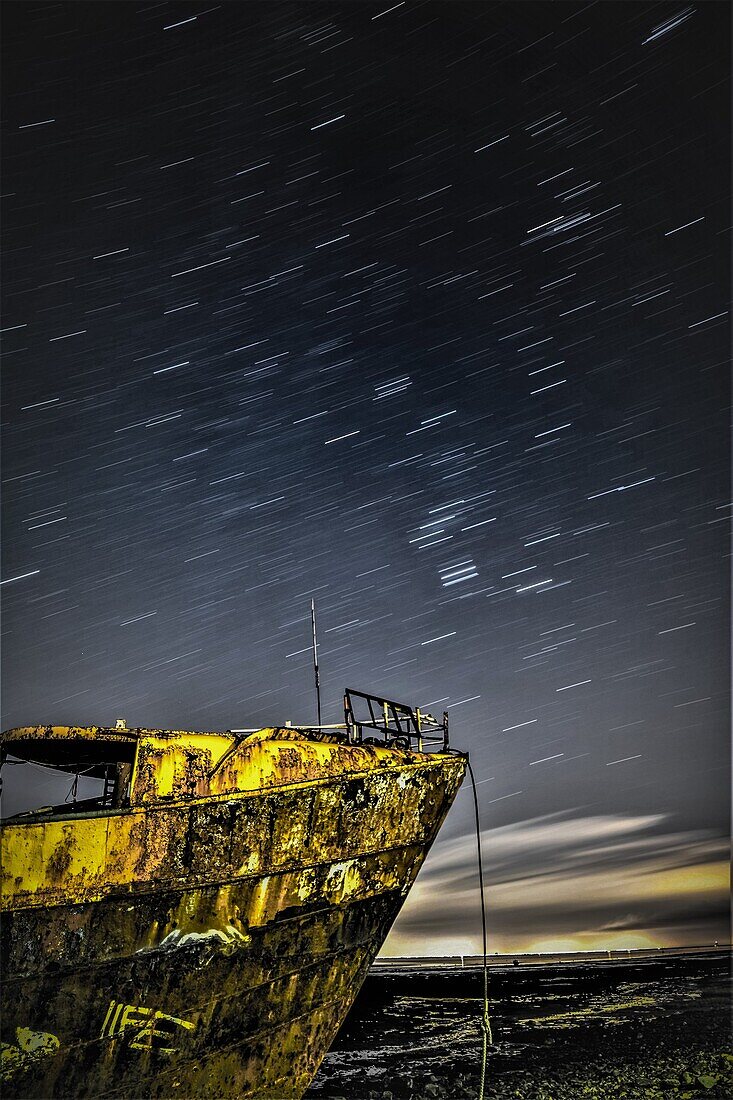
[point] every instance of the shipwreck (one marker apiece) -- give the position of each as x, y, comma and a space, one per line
202, 926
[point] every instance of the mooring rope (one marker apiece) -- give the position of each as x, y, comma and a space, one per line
485, 1021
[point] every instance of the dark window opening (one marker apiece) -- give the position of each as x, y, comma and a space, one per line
46, 777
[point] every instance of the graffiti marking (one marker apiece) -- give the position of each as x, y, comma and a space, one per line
146, 1028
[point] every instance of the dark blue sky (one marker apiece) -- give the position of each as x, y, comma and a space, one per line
420, 310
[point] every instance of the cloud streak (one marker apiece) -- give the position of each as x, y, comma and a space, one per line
593, 880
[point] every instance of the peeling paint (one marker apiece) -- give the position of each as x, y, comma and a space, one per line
29, 1048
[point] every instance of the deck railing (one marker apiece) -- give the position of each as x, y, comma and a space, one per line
399, 725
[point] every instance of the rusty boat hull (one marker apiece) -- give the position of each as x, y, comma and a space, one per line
207, 945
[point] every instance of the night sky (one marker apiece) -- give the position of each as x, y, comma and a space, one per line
420, 310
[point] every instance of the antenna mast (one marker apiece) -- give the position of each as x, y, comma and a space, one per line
315, 659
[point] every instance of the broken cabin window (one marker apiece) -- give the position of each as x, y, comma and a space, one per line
47, 776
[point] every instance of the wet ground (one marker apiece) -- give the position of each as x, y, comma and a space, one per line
647, 1029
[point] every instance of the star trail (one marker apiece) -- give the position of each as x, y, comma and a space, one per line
420, 312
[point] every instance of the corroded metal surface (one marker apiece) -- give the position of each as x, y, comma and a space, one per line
208, 940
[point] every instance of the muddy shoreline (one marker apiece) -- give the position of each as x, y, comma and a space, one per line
647, 1029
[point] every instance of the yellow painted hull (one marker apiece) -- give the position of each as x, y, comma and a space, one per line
207, 947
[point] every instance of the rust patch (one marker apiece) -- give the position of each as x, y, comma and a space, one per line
60, 859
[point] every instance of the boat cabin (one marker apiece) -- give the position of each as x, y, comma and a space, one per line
113, 769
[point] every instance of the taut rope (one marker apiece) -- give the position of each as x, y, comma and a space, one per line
485, 1021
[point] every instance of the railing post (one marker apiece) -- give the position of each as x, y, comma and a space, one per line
348, 721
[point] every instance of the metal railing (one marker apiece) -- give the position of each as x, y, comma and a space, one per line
400, 725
